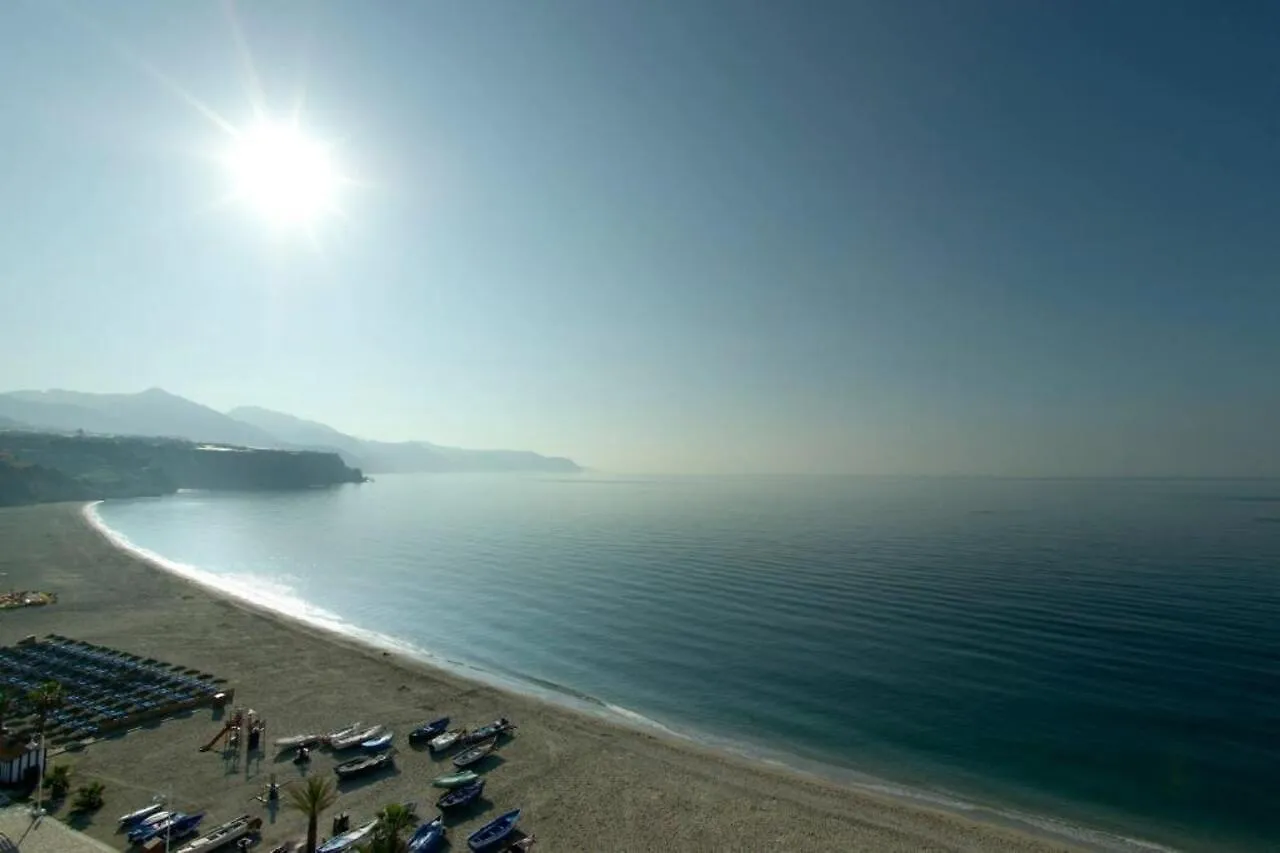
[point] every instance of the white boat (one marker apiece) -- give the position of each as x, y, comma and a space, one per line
347, 840
445, 740
355, 738
140, 815
227, 833
154, 818
295, 741
345, 733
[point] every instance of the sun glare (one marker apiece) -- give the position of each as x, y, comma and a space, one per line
286, 176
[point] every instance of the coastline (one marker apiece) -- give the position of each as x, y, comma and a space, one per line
588, 781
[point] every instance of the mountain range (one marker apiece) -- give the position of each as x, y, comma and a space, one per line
156, 412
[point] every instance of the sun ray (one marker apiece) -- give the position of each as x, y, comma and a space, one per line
257, 100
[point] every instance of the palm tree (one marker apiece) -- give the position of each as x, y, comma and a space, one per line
394, 820
311, 798
46, 698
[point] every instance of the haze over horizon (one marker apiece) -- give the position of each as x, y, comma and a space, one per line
885, 237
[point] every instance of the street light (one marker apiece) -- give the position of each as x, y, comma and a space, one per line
37, 743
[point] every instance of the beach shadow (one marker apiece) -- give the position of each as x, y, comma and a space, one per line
492, 761
7, 845
471, 810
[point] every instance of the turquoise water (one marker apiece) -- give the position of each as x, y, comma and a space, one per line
1104, 652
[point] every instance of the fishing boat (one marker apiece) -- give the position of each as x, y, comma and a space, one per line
492, 730
456, 780
295, 741
151, 820
427, 838
141, 814
362, 765
355, 738
179, 828
439, 743
472, 754
227, 833
463, 796
377, 744
489, 836
347, 840
427, 731
177, 825
343, 733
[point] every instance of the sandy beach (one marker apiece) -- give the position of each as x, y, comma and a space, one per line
585, 784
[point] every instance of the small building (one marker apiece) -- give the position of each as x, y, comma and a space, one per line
19, 761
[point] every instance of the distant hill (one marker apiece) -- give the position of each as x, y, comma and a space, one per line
375, 457
154, 412
296, 431
157, 413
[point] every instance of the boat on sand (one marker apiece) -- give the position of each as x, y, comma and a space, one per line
347, 840
441, 742
140, 815
227, 833
294, 741
461, 796
377, 744
362, 765
456, 780
427, 838
427, 731
492, 834
355, 738
344, 733
472, 754
492, 730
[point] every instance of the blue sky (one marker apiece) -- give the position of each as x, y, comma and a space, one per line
898, 237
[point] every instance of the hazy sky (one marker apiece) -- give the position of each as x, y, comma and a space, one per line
1017, 237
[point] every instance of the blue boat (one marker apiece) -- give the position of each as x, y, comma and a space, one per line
489, 836
146, 828
177, 826
428, 838
459, 797
427, 731
376, 744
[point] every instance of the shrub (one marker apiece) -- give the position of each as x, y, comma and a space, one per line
88, 797
58, 781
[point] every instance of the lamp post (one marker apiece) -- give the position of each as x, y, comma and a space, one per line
37, 811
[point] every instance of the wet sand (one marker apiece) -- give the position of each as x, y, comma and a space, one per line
585, 784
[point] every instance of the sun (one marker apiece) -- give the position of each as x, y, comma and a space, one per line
283, 174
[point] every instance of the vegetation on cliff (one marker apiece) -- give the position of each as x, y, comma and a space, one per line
38, 467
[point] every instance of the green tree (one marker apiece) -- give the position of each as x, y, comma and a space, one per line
311, 798
88, 797
46, 698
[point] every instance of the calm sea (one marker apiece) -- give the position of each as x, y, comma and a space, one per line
1103, 652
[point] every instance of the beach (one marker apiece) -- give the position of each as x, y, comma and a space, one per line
584, 783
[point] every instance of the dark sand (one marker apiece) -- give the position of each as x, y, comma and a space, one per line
585, 784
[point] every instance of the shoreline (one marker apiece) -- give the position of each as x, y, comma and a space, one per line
873, 817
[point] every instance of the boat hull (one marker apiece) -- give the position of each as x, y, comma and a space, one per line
493, 834
455, 780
